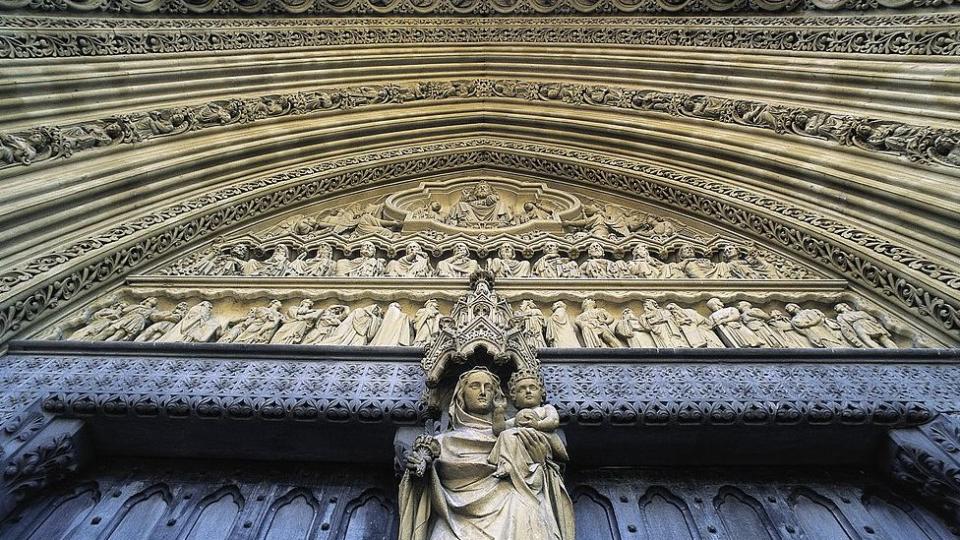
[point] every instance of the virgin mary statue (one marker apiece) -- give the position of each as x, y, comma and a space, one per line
452, 491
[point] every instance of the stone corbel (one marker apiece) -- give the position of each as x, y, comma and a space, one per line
44, 451
926, 460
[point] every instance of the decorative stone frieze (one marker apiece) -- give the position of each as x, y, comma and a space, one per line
451, 7
589, 387
44, 37
922, 144
926, 460
48, 454
863, 257
381, 315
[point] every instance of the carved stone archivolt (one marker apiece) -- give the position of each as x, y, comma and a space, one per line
450, 7
917, 143
892, 34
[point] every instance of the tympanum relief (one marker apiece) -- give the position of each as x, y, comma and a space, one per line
515, 230
295, 269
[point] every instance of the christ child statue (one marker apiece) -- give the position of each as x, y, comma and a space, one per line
536, 421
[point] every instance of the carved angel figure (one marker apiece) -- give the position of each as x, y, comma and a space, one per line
362, 221
532, 324
594, 324
695, 327
780, 323
163, 322
98, 326
132, 320
278, 264
815, 326
426, 323
643, 265
534, 211
432, 211
414, 263
197, 326
595, 222
597, 265
366, 265
756, 320
560, 331
554, 265
236, 263
731, 265
260, 324
726, 320
459, 264
506, 265
634, 330
328, 321
665, 330
299, 320
321, 265
689, 265
395, 329
863, 329
358, 328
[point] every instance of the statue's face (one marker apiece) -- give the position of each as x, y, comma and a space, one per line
478, 393
368, 250
589, 304
714, 304
461, 250
324, 252
413, 248
596, 250
550, 248
276, 304
506, 252
640, 252
687, 252
483, 190
730, 252
527, 393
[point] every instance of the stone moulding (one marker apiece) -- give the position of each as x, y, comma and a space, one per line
666, 387
873, 262
458, 7
920, 144
45, 37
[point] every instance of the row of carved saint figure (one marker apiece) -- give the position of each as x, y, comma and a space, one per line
742, 325
415, 262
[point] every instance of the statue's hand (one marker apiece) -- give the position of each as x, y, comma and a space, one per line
500, 404
526, 418
417, 463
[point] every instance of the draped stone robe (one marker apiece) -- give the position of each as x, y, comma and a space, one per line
461, 498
